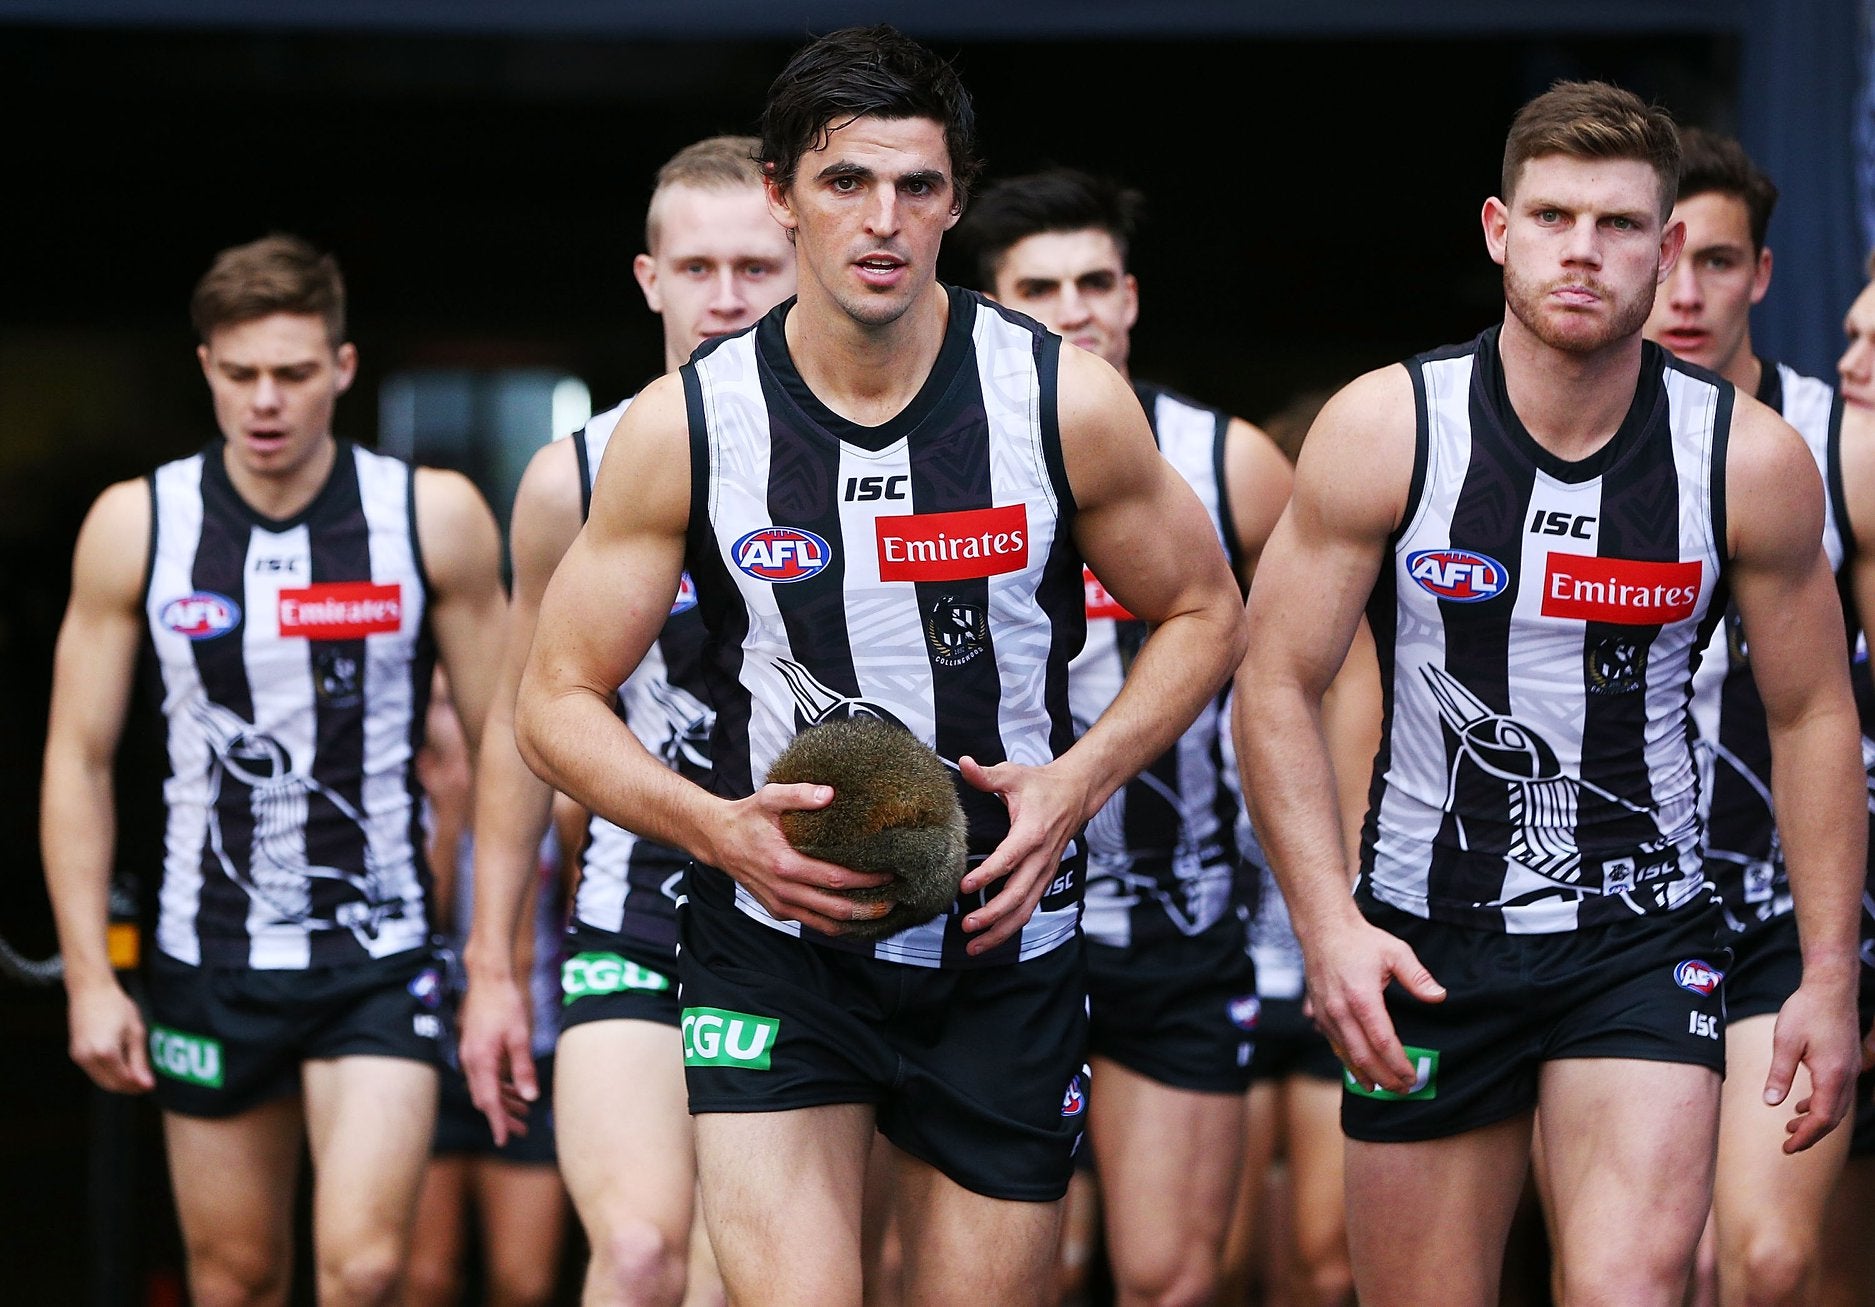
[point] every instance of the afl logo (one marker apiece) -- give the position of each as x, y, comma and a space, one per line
1457, 574
781, 554
202, 615
1696, 976
1074, 1102
1246, 1012
686, 595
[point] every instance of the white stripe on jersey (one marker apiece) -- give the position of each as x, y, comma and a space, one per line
178, 511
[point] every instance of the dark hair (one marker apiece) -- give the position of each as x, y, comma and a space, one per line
1058, 199
1710, 162
275, 274
1593, 120
866, 70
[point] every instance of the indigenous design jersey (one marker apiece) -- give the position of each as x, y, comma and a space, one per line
1162, 852
1744, 857
1536, 630
629, 885
294, 673
918, 571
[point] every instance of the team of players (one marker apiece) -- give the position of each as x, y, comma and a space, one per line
890, 498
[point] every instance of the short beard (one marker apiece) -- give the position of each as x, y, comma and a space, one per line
1526, 304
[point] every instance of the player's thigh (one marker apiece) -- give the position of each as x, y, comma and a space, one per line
1427, 1219
1629, 1146
782, 1194
626, 1145
369, 1120
436, 1241
522, 1210
1169, 1161
234, 1178
1761, 1192
966, 1249
1317, 1159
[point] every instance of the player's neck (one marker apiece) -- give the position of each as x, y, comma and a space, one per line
866, 374
1571, 403
1745, 370
287, 493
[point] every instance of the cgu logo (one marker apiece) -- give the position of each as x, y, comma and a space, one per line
202, 615
686, 595
1458, 575
606, 973
714, 1037
189, 1058
781, 554
1697, 977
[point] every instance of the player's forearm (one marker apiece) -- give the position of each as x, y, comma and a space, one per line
1290, 786
573, 740
1820, 794
78, 837
1181, 667
512, 810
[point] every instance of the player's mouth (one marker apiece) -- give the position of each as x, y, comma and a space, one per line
1681, 340
880, 270
1576, 297
266, 439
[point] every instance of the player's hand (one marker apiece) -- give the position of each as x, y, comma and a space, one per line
789, 885
1348, 970
109, 1041
1816, 1027
497, 1053
1046, 808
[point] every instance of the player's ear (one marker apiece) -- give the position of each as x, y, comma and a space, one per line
345, 366
1496, 220
645, 269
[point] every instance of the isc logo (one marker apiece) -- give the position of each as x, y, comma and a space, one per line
1457, 575
202, 615
781, 554
1696, 976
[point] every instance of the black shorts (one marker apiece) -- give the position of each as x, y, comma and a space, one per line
1767, 967
225, 1039
1180, 1011
607, 977
462, 1131
1288, 1044
978, 1072
1647, 990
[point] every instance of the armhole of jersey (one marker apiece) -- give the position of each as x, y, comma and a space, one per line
1233, 547
697, 529
1422, 447
416, 540
585, 471
1721, 444
1832, 462
1048, 375
149, 561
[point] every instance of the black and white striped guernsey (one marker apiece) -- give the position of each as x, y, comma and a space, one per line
1162, 852
293, 668
919, 571
1537, 626
1744, 857
630, 886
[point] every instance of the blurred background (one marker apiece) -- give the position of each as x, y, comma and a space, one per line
1314, 175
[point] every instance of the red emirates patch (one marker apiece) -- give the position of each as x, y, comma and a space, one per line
342, 610
1100, 600
1620, 590
953, 546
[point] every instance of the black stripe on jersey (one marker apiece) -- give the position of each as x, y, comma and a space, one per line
1721, 446
423, 664
1488, 518
720, 607
1845, 529
220, 566
1060, 590
1770, 385
1227, 519
341, 551
586, 470
1640, 520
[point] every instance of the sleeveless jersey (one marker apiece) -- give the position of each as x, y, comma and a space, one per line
1864, 684
919, 571
1743, 857
1537, 627
293, 663
629, 885
1162, 852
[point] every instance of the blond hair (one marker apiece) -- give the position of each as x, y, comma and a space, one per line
716, 163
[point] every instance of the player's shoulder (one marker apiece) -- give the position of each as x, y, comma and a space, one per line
114, 543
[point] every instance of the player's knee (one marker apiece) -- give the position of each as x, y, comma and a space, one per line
518, 1285
361, 1276
1188, 1282
634, 1262
236, 1275
1778, 1268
